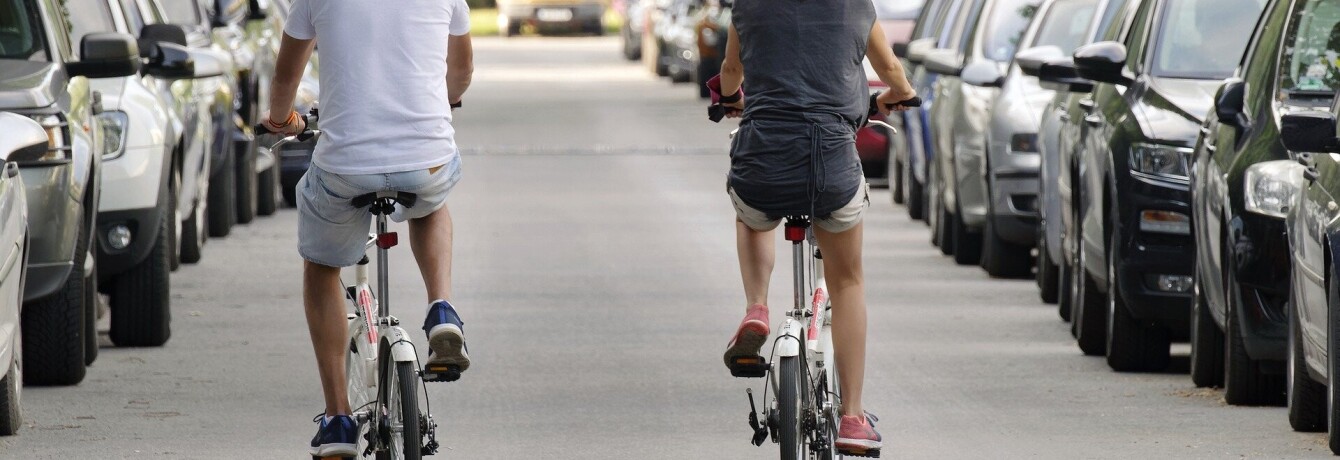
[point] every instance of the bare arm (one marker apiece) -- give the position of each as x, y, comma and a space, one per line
888, 68
460, 66
289, 65
732, 70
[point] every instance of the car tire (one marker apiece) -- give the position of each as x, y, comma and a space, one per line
1207, 341
1132, 345
916, 195
1332, 364
662, 67
1306, 396
194, 230
943, 236
704, 73
174, 232
1089, 318
1065, 283
247, 183
1048, 276
222, 209
53, 338
268, 186
1244, 382
630, 52
11, 407
513, 28
967, 244
894, 174
141, 298
1003, 259
91, 312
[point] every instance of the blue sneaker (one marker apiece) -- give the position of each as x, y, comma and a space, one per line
446, 337
337, 437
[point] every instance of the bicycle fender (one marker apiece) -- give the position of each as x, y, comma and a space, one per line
789, 340
402, 349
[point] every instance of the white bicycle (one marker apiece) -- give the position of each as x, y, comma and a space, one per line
384, 378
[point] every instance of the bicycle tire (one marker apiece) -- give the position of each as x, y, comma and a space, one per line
407, 394
360, 393
790, 431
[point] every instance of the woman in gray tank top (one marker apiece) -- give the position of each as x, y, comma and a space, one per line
795, 155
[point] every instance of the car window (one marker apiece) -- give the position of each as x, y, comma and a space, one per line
1311, 61
21, 31
1203, 39
1110, 13
898, 9
1065, 25
89, 16
1138, 36
184, 12
928, 19
964, 26
134, 19
1005, 27
945, 24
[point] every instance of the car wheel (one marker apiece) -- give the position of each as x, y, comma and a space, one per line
1047, 276
1132, 345
193, 233
1306, 396
513, 28
1244, 382
1065, 284
141, 299
596, 28
630, 52
1090, 321
268, 185
247, 189
174, 233
1207, 341
222, 209
662, 67
11, 391
1332, 364
943, 236
704, 73
967, 244
894, 174
1000, 258
53, 339
916, 194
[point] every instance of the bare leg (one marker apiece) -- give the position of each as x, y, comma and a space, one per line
430, 239
846, 283
757, 255
323, 300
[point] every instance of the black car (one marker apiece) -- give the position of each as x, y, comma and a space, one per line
1154, 89
1240, 326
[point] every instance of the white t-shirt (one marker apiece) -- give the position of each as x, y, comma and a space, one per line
383, 68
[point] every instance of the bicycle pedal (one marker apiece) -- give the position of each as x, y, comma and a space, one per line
441, 373
749, 366
853, 452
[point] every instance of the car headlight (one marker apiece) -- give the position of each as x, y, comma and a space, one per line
1270, 187
1161, 161
114, 125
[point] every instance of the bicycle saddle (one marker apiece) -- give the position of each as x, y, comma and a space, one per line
384, 202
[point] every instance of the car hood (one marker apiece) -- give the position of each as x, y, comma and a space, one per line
29, 84
1174, 108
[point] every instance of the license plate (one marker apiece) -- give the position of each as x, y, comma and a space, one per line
554, 14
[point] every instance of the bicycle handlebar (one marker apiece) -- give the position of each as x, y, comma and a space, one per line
915, 101
307, 133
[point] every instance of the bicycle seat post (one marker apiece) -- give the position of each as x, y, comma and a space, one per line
385, 241
796, 230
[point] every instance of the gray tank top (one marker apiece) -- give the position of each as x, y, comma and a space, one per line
806, 93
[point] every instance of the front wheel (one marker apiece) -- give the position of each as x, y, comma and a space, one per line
141, 298
268, 183
403, 415
789, 430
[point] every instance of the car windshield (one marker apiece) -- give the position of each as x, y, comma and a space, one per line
1065, 24
1005, 27
21, 31
184, 12
898, 9
89, 16
1203, 39
1311, 61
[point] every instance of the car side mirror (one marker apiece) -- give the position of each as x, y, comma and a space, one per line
23, 138
900, 49
917, 49
258, 10
166, 33
983, 73
173, 61
1229, 103
1061, 75
1309, 131
1030, 60
106, 55
944, 62
1103, 62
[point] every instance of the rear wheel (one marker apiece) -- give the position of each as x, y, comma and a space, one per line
894, 173
141, 300
1090, 319
789, 429
403, 410
53, 339
174, 230
943, 235
247, 185
1132, 345
916, 199
1307, 397
1207, 341
11, 412
967, 244
222, 209
1048, 276
193, 234
268, 183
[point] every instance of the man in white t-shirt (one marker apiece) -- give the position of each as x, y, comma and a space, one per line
391, 72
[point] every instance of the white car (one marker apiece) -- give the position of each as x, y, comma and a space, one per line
145, 140
21, 133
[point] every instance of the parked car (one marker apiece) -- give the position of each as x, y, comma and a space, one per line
265, 34
292, 162
1133, 197
586, 16
23, 137
934, 29
679, 39
1309, 188
241, 27
1056, 145
970, 78
877, 145
1239, 332
630, 32
654, 23
711, 27
43, 76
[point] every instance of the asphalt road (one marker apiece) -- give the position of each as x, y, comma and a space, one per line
596, 272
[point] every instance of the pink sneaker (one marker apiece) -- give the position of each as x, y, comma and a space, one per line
857, 437
751, 335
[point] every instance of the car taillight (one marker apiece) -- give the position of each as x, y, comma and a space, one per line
58, 145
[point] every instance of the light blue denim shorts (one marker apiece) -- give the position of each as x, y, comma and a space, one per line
332, 232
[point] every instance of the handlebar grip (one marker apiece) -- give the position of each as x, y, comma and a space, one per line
915, 101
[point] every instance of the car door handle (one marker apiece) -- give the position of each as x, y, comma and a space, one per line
1087, 104
1093, 120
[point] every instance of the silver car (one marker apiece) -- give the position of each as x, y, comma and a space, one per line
1012, 139
971, 77
21, 134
